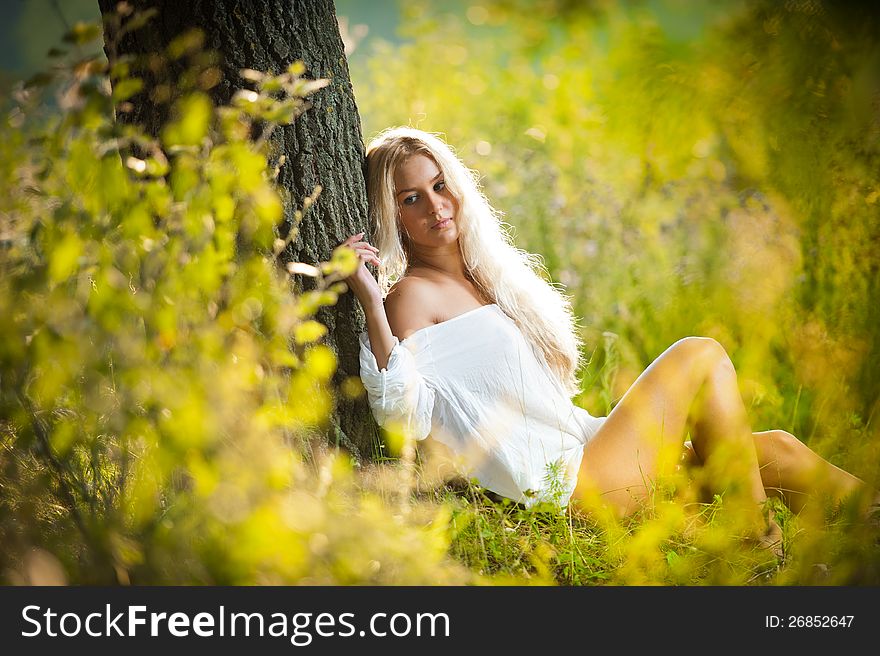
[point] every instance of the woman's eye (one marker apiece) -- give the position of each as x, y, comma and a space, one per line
409, 200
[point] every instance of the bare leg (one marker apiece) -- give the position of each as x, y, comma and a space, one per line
796, 474
690, 385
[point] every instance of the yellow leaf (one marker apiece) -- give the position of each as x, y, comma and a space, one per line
320, 362
309, 331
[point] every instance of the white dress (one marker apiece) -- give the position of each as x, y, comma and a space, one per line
474, 384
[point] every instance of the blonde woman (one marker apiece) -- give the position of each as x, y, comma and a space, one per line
466, 343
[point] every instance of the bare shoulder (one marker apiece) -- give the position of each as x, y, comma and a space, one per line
409, 305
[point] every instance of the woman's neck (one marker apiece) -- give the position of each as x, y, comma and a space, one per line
445, 261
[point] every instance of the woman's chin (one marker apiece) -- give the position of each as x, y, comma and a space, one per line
442, 237
449, 233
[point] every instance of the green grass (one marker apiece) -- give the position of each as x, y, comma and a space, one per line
667, 543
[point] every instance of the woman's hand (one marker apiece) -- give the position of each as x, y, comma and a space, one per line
367, 291
361, 282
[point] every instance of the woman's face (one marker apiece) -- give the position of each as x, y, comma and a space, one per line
428, 210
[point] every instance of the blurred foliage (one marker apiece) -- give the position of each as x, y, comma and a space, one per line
162, 388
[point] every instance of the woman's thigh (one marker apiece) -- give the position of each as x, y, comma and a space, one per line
643, 436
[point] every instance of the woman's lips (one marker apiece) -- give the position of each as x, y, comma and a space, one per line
441, 224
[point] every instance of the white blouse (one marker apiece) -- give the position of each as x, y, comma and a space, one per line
475, 385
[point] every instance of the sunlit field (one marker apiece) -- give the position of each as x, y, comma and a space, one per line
163, 393
680, 175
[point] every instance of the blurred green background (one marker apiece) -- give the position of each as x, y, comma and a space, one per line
682, 167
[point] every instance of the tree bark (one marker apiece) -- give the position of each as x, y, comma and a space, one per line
323, 146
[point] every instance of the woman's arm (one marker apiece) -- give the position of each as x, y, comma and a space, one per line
407, 308
381, 338
367, 291
398, 395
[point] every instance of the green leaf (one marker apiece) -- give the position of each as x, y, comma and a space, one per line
343, 262
297, 68
193, 115
186, 43
137, 21
64, 257
82, 33
125, 89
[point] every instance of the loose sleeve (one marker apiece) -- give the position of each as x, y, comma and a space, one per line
590, 424
397, 393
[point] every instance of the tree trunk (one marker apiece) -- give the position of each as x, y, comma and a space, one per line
323, 146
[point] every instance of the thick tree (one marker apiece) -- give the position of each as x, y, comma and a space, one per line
323, 146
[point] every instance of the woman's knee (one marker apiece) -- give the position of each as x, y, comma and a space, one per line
698, 345
776, 448
704, 353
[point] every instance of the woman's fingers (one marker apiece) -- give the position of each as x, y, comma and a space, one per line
366, 255
355, 239
363, 244
351, 240
366, 252
367, 248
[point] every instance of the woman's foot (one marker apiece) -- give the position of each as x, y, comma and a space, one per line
769, 536
772, 539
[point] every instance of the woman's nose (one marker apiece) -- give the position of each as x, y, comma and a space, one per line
436, 203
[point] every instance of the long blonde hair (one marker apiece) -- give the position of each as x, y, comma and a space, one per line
506, 275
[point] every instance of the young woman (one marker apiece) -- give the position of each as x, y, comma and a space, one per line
468, 344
